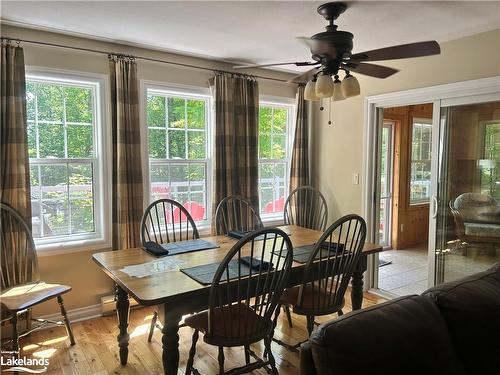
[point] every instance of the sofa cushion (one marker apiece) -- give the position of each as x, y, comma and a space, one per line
404, 336
471, 308
482, 230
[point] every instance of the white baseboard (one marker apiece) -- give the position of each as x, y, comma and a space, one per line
77, 315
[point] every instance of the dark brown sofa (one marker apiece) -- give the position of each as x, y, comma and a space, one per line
453, 328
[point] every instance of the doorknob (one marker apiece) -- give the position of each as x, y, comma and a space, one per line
434, 206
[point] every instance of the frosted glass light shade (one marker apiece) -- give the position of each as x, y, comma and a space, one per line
338, 93
310, 91
350, 86
324, 86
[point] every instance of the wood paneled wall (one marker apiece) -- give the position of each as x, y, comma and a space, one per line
410, 223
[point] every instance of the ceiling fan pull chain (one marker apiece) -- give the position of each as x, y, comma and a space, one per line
330, 112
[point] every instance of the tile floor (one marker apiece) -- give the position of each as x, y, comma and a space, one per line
407, 274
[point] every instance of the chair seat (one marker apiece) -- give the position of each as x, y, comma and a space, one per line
233, 325
24, 296
310, 304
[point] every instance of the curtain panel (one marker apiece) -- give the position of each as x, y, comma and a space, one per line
127, 190
236, 138
299, 168
14, 159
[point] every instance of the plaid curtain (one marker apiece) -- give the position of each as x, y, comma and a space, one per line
236, 138
127, 200
14, 160
299, 169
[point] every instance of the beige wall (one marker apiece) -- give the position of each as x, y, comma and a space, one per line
339, 148
78, 269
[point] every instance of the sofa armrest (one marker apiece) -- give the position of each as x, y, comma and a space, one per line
306, 360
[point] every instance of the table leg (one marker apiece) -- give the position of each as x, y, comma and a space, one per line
122, 310
170, 339
357, 282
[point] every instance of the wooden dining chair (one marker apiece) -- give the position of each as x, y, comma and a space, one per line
21, 286
236, 213
242, 304
328, 272
166, 221
306, 207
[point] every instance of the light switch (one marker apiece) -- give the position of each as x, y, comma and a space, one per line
355, 178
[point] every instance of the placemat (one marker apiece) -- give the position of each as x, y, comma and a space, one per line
301, 254
204, 274
188, 246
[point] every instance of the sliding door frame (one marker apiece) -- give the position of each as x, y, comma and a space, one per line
441, 95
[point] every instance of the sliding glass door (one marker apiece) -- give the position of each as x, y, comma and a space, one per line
465, 212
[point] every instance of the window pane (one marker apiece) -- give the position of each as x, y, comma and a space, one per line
196, 114
78, 104
31, 140
279, 120
177, 144
420, 174
54, 186
279, 147
157, 144
50, 102
34, 182
196, 144
30, 101
80, 141
197, 177
51, 140
176, 112
54, 181
156, 111
55, 217
179, 178
80, 181
265, 119
82, 215
265, 146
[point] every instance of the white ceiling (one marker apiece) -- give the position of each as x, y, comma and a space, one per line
252, 31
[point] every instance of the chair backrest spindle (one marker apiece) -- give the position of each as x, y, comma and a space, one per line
236, 213
306, 207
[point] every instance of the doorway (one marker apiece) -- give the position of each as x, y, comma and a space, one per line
405, 187
431, 202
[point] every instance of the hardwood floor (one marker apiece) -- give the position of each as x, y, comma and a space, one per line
96, 350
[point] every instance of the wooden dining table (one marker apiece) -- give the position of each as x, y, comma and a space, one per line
175, 294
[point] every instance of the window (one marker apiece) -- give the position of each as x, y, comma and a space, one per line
420, 178
489, 165
275, 130
63, 126
178, 134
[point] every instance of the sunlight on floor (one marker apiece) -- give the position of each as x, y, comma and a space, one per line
140, 330
44, 343
46, 353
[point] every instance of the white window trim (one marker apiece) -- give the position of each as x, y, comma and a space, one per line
101, 239
289, 103
422, 201
204, 227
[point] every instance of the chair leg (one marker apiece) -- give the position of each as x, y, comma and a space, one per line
221, 360
247, 354
288, 315
310, 324
15, 336
270, 356
66, 320
153, 326
192, 352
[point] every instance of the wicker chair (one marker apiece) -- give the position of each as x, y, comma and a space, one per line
241, 310
21, 286
165, 221
331, 264
236, 213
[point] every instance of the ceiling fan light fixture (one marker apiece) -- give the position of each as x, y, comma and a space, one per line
338, 92
350, 86
324, 86
310, 91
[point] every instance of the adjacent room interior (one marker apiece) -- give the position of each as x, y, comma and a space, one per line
282, 187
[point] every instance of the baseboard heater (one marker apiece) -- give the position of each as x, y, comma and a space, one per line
108, 304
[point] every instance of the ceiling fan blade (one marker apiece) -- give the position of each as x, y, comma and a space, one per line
371, 70
306, 76
403, 51
319, 47
299, 63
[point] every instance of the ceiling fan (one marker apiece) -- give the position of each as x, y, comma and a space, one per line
331, 53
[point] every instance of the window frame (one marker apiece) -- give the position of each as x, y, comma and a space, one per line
188, 92
100, 238
290, 105
428, 122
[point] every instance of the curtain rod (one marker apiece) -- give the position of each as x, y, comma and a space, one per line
136, 57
